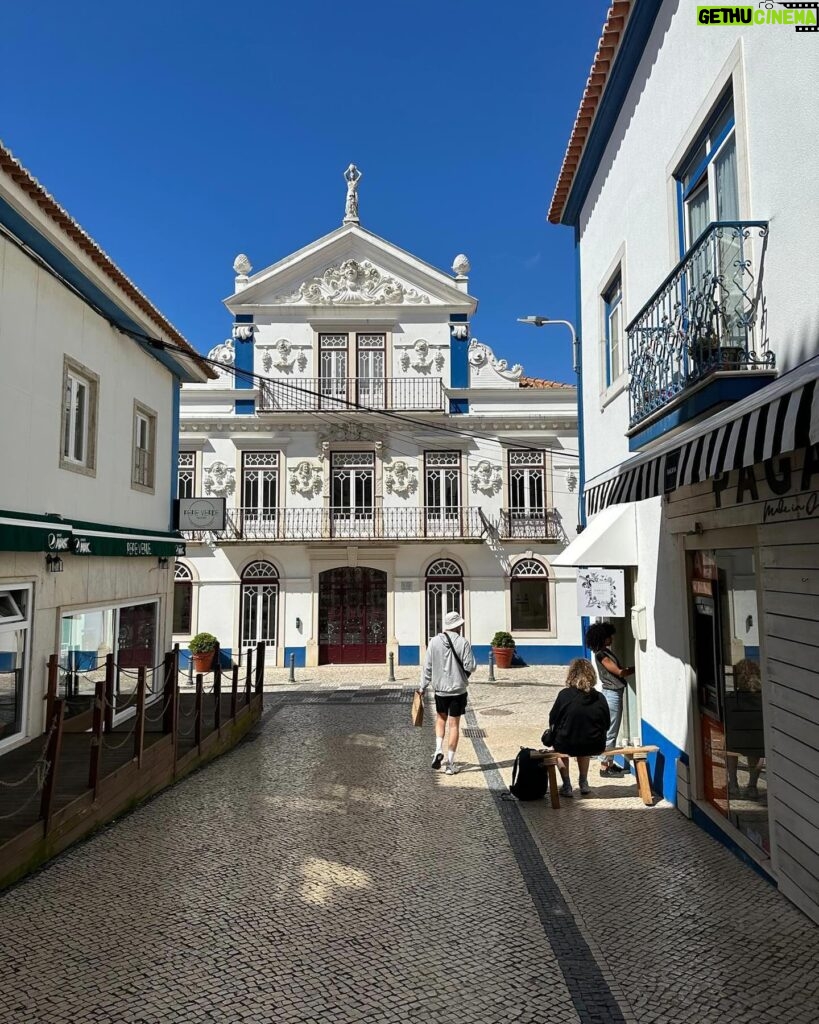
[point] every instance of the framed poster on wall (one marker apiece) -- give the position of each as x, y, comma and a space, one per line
601, 592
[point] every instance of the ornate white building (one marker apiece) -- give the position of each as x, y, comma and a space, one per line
379, 466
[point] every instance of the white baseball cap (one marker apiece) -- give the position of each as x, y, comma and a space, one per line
452, 620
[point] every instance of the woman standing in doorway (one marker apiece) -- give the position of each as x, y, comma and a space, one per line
613, 678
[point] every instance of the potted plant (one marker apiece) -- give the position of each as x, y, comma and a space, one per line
203, 647
503, 647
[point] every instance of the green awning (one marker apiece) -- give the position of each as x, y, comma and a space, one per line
21, 531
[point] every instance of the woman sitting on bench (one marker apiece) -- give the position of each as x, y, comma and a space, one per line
578, 723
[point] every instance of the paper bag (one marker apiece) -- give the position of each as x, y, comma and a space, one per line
417, 709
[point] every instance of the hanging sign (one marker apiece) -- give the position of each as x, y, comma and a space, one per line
200, 514
601, 591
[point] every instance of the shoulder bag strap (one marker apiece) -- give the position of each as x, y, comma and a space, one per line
455, 654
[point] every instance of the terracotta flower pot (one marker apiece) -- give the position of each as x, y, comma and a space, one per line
503, 656
203, 662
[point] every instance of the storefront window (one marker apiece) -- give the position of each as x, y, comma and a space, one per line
729, 680
15, 618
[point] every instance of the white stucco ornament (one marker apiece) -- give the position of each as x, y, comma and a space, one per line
243, 332
461, 265
242, 265
352, 282
225, 354
305, 479
460, 331
571, 481
486, 477
283, 358
219, 479
480, 355
401, 478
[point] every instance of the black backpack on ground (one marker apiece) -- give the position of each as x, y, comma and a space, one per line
530, 780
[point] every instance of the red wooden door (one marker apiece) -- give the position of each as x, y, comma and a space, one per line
352, 616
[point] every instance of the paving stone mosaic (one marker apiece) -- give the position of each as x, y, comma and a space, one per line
322, 872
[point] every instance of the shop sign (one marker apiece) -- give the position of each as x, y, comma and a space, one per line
601, 591
788, 489
57, 541
200, 514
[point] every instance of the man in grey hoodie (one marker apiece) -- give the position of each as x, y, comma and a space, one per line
447, 667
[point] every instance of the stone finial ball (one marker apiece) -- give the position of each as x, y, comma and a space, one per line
241, 264
461, 265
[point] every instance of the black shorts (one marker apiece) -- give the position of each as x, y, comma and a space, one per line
453, 705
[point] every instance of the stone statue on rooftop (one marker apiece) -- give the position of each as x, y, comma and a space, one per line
352, 176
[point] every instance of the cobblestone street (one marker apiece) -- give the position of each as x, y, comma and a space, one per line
322, 872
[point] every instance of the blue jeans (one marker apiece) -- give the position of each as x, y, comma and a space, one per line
614, 699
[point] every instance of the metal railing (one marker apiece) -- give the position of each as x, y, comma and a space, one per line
351, 394
708, 315
307, 524
530, 525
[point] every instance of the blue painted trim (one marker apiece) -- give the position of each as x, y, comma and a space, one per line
409, 655
680, 219
635, 38
244, 357
534, 654
717, 391
458, 406
459, 364
616, 286
177, 389
63, 266
581, 436
300, 653
707, 824
702, 167
662, 765
244, 407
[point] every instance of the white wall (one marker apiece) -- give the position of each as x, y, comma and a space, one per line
40, 322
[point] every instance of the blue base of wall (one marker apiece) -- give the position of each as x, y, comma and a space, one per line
528, 654
662, 766
409, 655
300, 656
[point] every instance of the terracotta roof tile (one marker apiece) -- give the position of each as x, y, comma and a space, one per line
539, 382
71, 229
595, 85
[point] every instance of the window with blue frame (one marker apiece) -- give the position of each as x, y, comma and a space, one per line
613, 312
708, 180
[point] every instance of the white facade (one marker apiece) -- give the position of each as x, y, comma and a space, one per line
686, 149
87, 502
368, 465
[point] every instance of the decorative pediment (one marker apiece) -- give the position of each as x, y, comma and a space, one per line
487, 371
353, 282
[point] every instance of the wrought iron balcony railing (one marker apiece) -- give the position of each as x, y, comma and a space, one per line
525, 524
352, 394
309, 524
708, 315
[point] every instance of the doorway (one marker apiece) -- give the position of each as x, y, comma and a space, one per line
352, 616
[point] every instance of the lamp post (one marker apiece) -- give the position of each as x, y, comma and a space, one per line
577, 366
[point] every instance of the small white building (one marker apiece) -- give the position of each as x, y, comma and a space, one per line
685, 183
89, 419
380, 467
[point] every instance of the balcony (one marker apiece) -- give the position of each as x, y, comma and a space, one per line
352, 394
521, 524
329, 524
706, 321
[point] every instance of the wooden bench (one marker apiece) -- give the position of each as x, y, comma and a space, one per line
639, 755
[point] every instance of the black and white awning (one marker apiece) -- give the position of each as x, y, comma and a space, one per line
781, 417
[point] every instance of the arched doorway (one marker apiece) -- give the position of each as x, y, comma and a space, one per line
260, 599
352, 616
445, 593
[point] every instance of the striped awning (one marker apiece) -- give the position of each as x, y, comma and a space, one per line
781, 417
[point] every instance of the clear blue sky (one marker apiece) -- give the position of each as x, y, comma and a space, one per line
179, 134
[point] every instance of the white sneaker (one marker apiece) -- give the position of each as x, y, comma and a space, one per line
452, 768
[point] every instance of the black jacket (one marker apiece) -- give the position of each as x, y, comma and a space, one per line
579, 722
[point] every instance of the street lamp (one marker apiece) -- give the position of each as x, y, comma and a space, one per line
542, 321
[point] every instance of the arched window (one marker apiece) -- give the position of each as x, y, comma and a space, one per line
182, 599
260, 603
444, 592
530, 595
